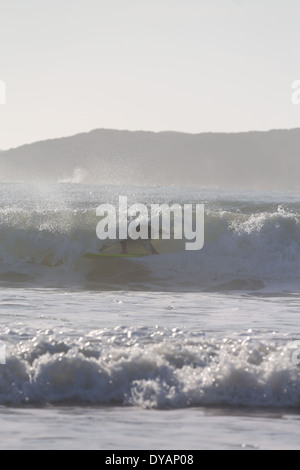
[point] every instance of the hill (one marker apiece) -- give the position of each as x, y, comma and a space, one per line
253, 160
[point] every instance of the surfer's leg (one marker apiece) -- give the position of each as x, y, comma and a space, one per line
149, 247
124, 247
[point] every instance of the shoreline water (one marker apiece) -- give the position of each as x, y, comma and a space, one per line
127, 429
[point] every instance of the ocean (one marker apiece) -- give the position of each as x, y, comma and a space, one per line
181, 350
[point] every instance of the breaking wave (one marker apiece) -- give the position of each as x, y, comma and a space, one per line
175, 369
242, 250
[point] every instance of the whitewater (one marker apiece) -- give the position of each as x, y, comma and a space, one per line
177, 350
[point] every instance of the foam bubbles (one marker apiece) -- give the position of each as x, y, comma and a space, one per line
168, 372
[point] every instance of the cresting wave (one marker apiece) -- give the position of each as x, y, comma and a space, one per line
175, 369
242, 246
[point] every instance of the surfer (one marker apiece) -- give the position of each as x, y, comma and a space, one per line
145, 243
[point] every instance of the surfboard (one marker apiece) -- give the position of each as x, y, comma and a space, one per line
136, 250
112, 255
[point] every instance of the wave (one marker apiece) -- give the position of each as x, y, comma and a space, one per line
242, 250
174, 370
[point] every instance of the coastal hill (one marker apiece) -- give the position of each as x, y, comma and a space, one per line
250, 160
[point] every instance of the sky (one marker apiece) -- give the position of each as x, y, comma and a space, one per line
193, 66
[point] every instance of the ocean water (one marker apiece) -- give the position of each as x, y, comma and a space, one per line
182, 350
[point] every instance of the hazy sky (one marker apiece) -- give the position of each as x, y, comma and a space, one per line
187, 65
